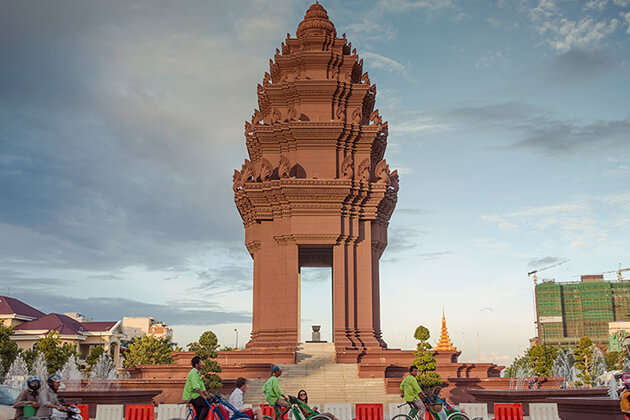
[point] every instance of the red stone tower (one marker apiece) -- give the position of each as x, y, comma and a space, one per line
316, 190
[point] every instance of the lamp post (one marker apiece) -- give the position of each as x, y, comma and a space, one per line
236, 341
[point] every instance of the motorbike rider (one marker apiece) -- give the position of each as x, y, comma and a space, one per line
28, 396
48, 398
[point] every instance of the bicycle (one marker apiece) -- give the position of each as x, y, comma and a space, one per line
413, 413
298, 408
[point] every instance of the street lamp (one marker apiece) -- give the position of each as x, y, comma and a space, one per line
236, 341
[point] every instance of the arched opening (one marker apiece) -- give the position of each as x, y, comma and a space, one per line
316, 293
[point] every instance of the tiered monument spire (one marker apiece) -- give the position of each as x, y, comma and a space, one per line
445, 341
316, 190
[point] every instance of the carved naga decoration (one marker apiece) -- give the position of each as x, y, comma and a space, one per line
382, 172
347, 167
266, 170
394, 181
284, 169
364, 170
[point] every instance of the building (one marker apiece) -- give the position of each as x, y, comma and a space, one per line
31, 324
567, 311
138, 326
14, 312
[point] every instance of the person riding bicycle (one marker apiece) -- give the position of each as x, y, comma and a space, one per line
195, 391
411, 391
48, 398
236, 399
28, 396
438, 405
624, 399
274, 395
303, 396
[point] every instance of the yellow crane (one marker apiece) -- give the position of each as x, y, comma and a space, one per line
619, 272
538, 270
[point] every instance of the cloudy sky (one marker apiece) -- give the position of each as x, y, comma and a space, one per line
121, 124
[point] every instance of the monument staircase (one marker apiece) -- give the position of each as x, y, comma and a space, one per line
324, 380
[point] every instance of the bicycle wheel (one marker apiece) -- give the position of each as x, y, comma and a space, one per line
458, 416
401, 417
319, 417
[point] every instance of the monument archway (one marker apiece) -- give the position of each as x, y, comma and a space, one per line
316, 189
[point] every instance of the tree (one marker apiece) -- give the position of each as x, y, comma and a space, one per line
424, 361
92, 358
615, 359
541, 358
8, 348
519, 365
206, 348
54, 351
148, 350
584, 361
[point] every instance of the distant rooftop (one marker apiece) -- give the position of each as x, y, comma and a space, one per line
12, 306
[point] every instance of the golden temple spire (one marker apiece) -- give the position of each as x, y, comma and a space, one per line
445, 341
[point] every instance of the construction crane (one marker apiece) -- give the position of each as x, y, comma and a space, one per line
538, 270
619, 272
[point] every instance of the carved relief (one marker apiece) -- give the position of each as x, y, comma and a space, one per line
276, 116
364, 170
248, 172
260, 89
340, 115
266, 79
375, 117
382, 172
248, 129
393, 177
257, 118
266, 169
292, 115
365, 78
284, 169
347, 167
347, 77
236, 181
356, 116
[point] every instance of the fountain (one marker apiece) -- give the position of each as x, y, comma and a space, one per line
102, 386
71, 374
39, 367
563, 368
613, 387
103, 376
17, 373
598, 364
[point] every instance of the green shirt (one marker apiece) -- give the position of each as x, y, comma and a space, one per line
410, 387
193, 381
271, 389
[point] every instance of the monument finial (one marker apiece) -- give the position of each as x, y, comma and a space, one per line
316, 22
445, 341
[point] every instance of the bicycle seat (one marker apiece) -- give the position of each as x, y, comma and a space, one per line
293, 400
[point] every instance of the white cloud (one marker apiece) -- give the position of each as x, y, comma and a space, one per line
564, 33
382, 62
430, 5
496, 59
626, 16
622, 3
596, 4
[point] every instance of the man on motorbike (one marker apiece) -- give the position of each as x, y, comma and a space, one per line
48, 398
26, 403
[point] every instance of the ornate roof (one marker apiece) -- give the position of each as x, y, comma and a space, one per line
12, 306
445, 342
316, 22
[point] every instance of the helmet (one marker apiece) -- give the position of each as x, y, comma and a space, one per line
34, 382
53, 378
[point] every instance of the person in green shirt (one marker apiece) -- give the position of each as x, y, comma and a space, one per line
272, 392
195, 390
410, 391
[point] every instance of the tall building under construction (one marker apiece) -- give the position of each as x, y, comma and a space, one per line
567, 311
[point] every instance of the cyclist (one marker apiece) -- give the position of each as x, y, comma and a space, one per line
195, 390
624, 399
236, 399
303, 396
274, 395
410, 391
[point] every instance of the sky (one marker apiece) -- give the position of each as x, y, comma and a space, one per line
121, 123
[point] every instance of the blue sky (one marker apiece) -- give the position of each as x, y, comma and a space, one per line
121, 124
